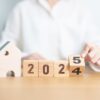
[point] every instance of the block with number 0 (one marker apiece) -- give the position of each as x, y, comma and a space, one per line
60, 68
46, 68
76, 65
30, 68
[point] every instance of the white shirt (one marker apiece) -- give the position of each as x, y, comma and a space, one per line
54, 33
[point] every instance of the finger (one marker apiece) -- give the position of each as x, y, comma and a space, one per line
37, 56
92, 53
98, 63
95, 59
34, 57
86, 50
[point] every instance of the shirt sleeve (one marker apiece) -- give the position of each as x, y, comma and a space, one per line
12, 28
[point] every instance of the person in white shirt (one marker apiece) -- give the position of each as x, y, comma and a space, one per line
53, 29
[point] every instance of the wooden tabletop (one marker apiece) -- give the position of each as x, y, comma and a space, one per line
86, 87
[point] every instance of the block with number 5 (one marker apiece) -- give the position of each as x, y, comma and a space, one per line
76, 65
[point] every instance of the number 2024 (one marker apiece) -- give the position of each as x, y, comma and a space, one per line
46, 67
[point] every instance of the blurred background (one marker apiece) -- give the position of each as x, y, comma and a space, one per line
7, 5
5, 8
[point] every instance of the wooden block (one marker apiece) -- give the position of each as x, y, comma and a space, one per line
60, 68
76, 65
10, 60
46, 68
30, 68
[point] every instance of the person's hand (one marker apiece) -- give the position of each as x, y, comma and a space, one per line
91, 53
34, 56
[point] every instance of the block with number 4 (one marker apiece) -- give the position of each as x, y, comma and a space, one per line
30, 68
60, 68
76, 65
46, 68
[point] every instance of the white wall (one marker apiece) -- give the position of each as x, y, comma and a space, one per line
7, 5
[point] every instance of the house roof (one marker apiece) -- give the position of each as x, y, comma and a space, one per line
4, 45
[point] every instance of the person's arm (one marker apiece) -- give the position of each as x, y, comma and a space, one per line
91, 51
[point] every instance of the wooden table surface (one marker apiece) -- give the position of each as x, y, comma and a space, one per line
69, 88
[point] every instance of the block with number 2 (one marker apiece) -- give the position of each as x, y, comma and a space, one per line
30, 68
60, 68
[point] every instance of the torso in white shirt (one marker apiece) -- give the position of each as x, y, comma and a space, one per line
54, 33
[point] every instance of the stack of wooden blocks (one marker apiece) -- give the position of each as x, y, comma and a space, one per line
10, 65
74, 66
